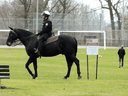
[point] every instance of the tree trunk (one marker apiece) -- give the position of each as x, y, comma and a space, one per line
119, 25
112, 21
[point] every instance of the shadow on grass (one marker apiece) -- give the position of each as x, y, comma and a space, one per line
4, 87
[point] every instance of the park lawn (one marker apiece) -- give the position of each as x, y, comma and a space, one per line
112, 80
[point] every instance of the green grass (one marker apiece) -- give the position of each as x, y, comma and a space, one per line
112, 80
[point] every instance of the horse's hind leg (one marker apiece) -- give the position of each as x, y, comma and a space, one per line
69, 65
78, 67
74, 59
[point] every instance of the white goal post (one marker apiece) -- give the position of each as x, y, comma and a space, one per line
89, 32
4, 30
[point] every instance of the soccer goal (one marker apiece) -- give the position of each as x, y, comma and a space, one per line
81, 36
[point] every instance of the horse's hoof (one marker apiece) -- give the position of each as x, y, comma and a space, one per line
64, 77
79, 77
34, 77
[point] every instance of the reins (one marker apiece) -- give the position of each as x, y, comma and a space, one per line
27, 37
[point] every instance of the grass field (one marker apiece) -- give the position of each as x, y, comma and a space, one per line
112, 80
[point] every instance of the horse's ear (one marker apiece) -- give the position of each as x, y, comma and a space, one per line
10, 27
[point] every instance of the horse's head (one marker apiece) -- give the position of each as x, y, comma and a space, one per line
11, 37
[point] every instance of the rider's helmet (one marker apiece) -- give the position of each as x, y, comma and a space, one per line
46, 13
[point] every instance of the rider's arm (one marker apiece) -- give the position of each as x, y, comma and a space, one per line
47, 28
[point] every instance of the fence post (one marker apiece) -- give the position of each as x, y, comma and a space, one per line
96, 66
87, 69
28, 24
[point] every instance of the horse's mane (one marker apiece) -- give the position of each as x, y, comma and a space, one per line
25, 31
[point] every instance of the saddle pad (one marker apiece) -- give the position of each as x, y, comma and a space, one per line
51, 39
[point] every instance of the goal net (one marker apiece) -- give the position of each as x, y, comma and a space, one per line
82, 36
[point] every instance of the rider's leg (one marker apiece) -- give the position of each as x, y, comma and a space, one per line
40, 47
42, 39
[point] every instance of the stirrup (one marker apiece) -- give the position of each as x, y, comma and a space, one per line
36, 50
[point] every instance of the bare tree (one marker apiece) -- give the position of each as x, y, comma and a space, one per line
67, 7
4, 13
43, 5
26, 4
114, 7
111, 13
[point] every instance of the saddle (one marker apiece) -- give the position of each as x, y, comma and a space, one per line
51, 39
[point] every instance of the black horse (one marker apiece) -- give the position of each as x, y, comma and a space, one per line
65, 44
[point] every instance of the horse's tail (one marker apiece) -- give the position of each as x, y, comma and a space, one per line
75, 45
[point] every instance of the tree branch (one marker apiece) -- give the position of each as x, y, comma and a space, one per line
54, 6
73, 8
61, 3
102, 5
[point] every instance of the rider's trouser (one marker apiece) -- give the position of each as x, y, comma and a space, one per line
42, 39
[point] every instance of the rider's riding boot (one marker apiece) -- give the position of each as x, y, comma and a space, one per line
40, 47
38, 53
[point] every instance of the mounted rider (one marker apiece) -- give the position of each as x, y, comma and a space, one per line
45, 33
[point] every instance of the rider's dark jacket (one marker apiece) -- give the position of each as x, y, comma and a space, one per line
46, 28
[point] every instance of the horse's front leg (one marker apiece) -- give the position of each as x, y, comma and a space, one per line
27, 66
35, 67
